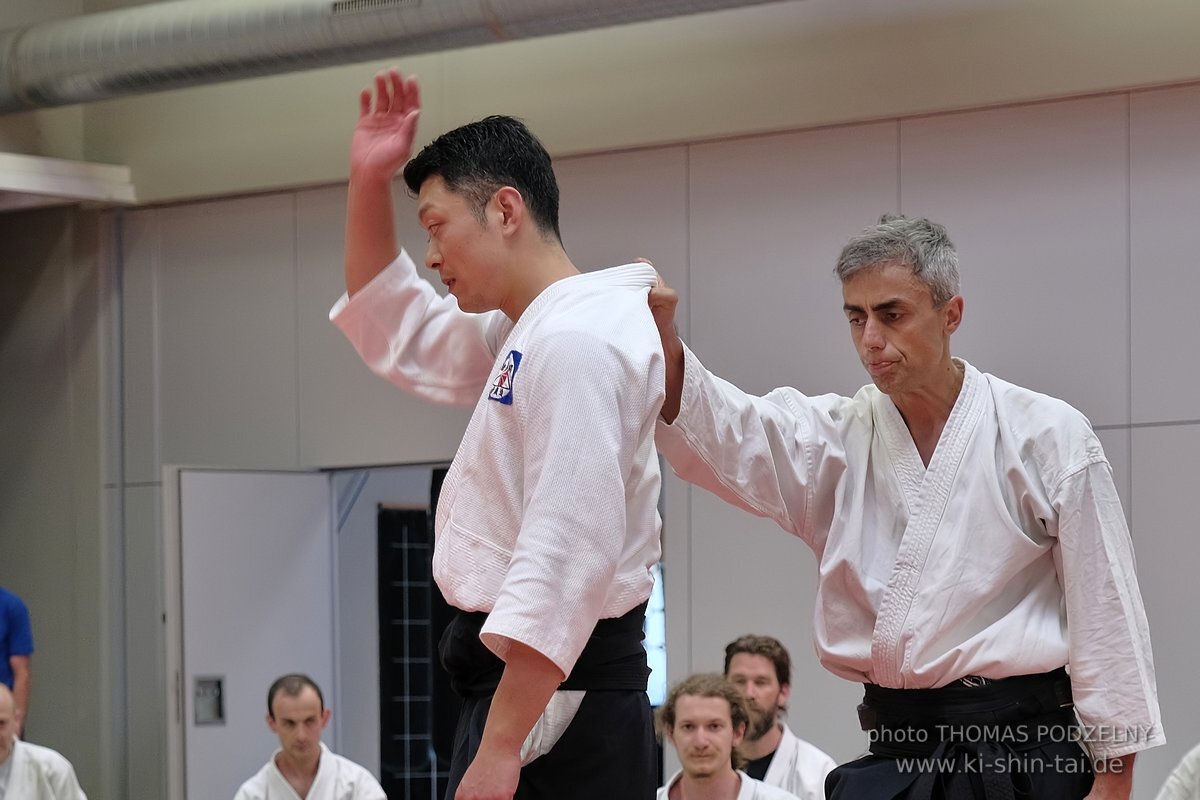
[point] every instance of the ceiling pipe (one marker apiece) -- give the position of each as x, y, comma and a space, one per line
182, 43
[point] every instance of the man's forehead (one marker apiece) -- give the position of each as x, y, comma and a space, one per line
751, 664
433, 193
694, 706
298, 705
890, 283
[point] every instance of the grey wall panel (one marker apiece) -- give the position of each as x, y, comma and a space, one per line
768, 217
227, 333
1035, 199
348, 416
618, 207
145, 646
51, 517
139, 335
1166, 461
1164, 133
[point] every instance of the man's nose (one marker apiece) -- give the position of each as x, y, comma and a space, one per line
872, 337
433, 257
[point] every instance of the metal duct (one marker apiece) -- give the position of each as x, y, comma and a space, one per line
171, 45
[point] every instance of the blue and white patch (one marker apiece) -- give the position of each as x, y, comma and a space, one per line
502, 384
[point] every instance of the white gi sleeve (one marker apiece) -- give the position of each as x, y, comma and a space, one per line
760, 454
1111, 666
408, 334
597, 405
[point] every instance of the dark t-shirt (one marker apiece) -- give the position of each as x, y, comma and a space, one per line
16, 634
757, 768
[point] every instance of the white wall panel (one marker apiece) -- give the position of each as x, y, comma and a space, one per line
1164, 134
1035, 200
1166, 461
768, 218
227, 333
348, 416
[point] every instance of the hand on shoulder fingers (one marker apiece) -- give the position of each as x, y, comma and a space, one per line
387, 124
490, 777
663, 301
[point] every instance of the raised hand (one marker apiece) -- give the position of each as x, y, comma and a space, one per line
662, 301
387, 125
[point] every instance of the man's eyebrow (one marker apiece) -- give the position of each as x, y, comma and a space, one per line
886, 305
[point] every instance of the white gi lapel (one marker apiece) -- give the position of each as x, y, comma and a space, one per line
783, 763
926, 491
21, 778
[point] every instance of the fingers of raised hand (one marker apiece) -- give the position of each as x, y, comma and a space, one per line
393, 93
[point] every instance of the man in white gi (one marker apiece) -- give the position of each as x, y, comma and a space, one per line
303, 768
970, 541
1184, 781
547, 524
706, 718
29, 771
760, 668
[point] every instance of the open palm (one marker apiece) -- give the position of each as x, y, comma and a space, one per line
387, 124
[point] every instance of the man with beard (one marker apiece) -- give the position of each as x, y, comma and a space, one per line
760, 668
706, 719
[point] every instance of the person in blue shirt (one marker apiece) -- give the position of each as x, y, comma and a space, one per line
16, 649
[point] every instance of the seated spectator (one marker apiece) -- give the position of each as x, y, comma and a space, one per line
29, 771
303, 767
761, 669
705, 718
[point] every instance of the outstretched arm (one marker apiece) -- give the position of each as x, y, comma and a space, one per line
382, 144
663, 301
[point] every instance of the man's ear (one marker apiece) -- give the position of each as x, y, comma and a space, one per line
739, 733
510, 208
271, 723
954, 312
785, 691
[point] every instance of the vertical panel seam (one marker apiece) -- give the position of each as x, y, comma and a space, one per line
1129, 298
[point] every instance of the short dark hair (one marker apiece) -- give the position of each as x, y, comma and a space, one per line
708, 684
478, 159
769, 648
292, 685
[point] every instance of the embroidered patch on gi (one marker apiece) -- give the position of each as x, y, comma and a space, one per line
502, 384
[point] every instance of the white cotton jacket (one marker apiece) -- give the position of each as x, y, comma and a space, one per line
799, 767
548, 516
337, 779
1008, 555
1184, 781
750, 789
39, 773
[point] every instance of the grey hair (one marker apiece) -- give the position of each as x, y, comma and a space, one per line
920, 244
